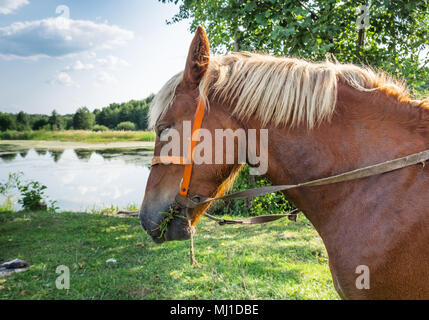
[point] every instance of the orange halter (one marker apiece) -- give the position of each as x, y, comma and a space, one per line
188, 161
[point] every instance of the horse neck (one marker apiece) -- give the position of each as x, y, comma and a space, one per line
367, 128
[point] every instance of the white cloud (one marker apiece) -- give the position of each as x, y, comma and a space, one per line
56, 37
79, 66
8, 6
112, 62
63, 79
104, 77
102, 68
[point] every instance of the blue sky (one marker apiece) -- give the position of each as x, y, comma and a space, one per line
91, 54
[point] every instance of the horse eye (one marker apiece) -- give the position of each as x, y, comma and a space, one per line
163, 130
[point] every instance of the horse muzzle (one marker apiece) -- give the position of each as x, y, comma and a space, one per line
162, 226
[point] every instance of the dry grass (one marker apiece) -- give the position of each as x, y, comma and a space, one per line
79, 136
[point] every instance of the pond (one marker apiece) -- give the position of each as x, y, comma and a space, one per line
82, 179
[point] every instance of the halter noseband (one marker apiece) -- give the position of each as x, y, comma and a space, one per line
188, 161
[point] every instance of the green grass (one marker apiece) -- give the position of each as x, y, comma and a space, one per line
112, 209
281, 260
79, 135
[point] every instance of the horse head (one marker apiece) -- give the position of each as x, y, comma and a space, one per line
172, 114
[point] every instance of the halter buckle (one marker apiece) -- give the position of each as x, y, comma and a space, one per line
185, 202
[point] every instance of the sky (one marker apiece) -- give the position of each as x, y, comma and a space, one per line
67, 54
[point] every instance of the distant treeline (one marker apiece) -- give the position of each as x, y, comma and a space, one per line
132, 115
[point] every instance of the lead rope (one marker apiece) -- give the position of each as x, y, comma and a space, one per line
193, 261
291, 215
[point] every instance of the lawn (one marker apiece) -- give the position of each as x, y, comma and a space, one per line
79, 135
280, 260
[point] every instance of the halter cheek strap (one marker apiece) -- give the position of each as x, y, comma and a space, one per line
188, 161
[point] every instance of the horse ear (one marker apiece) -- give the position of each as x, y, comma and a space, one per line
197, 62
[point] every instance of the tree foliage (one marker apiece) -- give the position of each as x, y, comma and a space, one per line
22, 121
396, 39
55, 121
40, 122
7, 122
134, 112
83, 119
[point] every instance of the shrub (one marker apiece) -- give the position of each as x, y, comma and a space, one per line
7, 135
16, 135
270, 203
126, 126
100, 128
32, 194
25, 135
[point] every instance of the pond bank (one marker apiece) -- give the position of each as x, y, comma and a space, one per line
60, 145
78, 135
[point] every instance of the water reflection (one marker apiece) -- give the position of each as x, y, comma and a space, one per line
41, 152
56, 154
23, 153
83, 179
84, 155
8, 156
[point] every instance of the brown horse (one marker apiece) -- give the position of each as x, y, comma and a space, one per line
323, 119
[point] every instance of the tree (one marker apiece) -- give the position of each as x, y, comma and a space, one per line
125, 112
55, 121
395, 40
135, 111
67, 122
40, 123
83, 119
7, 122
22, 121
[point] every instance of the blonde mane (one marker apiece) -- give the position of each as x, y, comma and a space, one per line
279, 91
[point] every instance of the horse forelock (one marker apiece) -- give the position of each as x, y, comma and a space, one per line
163, 99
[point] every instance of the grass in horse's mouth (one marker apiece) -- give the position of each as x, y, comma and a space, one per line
172, 212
